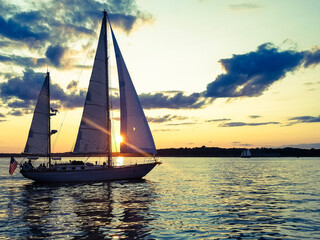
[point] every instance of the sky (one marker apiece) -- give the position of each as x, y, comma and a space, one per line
215, 73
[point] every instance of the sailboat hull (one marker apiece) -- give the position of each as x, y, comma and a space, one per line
104, 174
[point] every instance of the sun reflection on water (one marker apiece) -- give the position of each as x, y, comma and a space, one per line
119, 161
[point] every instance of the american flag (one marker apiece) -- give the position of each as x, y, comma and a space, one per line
13, 165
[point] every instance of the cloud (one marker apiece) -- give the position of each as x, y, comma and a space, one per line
173, 101
25, 88
165, 118
304, 119
5, 43
312, 58
241, 124
244, 6
16, 113
242, 144
252, 73
73, 85
181, 124
169, 100
40, 19
54, 54
2, 115
304, 145
125, 22
50, 35
254, 116
218, 120
21, 103
18, 32
23, 92
166, 130
26, 62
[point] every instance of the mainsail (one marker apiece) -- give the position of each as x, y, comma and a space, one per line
38, 138
92, 135
134, 127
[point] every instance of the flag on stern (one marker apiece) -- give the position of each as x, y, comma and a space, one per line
13, 165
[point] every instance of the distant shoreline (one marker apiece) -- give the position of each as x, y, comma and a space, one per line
200, 152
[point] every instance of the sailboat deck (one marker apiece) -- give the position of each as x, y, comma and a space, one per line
69, 167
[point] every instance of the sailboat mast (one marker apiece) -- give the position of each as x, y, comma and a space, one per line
49, 125
107, 90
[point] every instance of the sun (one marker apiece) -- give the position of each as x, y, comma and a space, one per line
119, 139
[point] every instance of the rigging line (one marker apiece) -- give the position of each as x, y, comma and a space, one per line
22, 160
59, 131
87, 158
89, 48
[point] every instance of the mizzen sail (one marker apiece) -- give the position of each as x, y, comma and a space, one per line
38, 138
92, 135
134, 128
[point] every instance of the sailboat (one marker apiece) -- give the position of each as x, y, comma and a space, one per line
246, 153
94, 135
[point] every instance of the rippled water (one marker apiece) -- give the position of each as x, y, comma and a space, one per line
184, 198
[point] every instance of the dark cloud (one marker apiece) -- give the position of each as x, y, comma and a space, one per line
5, 43
75, 16
165, 100
304, 145
18, 32
173, 101
254, 116
21, 104
312, 58
25, 88
2, 115
165, 118
73, 100
65, 100
241, 124
23, 92
73, 85
29, 17
181, 124
242, 144
16, 113
166, 130
51, 33
304, 119
252, 73
125, 22
23, 61
219, 120
54, 54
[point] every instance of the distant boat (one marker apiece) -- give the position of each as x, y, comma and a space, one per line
246, 153
93, 135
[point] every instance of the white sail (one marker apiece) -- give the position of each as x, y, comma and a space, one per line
248, 153
134, 128
38, 138
92, 135
243, 153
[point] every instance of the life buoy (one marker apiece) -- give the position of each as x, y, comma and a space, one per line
26, 167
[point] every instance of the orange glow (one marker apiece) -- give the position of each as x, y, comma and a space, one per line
119, 139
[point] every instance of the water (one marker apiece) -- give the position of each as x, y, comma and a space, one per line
184, 198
